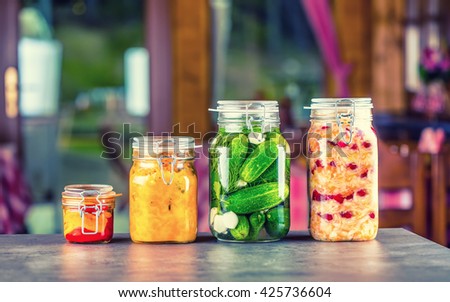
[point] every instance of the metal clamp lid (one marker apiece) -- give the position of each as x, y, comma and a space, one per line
329, 103
265, 111
343, 111
152, 147
82, 209
160, 159
165, 150
349, 115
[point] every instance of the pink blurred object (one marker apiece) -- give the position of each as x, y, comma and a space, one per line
321, 20
419, 102
430, 99
431, 140
202, 168
299, 197
430, 59
395, 199
14, 195
435, 60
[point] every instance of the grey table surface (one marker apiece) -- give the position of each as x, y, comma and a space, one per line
395, 255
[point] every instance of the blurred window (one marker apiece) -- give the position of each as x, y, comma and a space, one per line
265, 50
83, 72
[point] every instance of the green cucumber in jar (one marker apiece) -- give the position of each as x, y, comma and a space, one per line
259, 160
214, 153
238, 150
277, 221
280, 140
238, 153
256, 220
231, 153
257, 198
275, 172
215, 187
242, 229
270, 175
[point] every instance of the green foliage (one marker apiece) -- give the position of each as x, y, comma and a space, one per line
93, 57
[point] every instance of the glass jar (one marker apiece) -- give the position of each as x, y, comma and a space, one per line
249, 173
88, 213
342, 170
163, 190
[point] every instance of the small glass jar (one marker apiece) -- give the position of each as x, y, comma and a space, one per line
88, 213
249, 173
163, 190
342, 170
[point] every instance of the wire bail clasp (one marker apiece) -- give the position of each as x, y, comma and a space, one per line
83, 207
255, 137
160, 159
350, 116
248, 119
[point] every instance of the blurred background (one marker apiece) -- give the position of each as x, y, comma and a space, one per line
76, 69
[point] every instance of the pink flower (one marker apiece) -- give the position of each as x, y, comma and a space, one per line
430, 59
434, 65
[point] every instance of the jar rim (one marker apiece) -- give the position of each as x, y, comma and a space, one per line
164, 142
246, 102
250, 106
247, 111
88, 189
76, 193
329, 103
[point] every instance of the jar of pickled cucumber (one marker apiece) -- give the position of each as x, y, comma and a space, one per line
88, 213
249, 173
163, 190
342, 170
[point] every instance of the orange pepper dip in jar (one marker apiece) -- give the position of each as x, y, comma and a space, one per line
88, 213
163, 190
342, 170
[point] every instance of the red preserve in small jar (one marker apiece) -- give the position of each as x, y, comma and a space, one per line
88, 213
